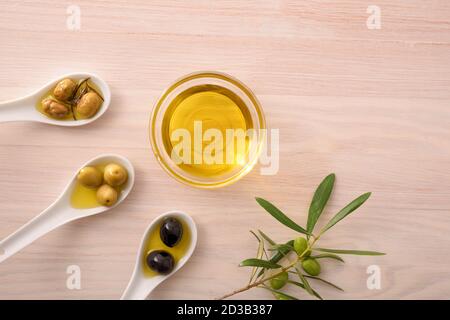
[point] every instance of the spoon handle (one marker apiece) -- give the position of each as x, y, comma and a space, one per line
138, 289
46, 221
17, 110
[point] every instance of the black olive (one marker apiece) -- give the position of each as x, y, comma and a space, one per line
160, 261
171, 232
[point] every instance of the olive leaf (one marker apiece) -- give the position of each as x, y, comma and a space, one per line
301, 285
352, 206
354, 252
259, 263
259, 253
279, 255
284, 247
324, 281
283, 251
328, 255
256, 236
278, 294
265, 237
304, 281
319, 201
280, 216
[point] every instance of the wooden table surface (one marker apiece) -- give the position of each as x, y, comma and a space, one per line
371, 105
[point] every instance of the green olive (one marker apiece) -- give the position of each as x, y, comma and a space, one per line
54, 109
281, 296
64, 89
300, 245
311, 266
89, 104
90, 177
279, 281
115, 175
106, 195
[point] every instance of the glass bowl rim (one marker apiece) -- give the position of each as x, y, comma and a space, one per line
255, 105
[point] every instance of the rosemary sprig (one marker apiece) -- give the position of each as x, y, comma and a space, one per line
79, 91
272, 274
82, 88
92, 89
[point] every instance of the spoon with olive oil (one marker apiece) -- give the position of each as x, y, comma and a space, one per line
64, 209
82, 90
166, 246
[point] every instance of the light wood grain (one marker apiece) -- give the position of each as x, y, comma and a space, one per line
371, 105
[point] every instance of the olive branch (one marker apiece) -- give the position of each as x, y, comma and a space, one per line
267, 272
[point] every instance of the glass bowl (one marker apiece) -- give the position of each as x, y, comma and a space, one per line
172, 94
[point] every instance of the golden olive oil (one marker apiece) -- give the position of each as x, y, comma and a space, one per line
84, 197
215, 107
154, 242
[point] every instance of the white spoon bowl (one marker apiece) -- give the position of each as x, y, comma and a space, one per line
61, 211
24, 109
141, 285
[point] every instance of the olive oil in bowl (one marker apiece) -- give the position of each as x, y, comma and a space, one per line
207, 130
208, 107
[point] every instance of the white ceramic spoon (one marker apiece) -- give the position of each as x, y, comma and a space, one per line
24, 109
141, 285
61, 212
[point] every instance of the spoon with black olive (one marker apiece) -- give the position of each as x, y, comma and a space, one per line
70, 100
156, 264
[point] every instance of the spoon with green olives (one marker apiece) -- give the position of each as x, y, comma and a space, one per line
62, 212
70, 100
159, 260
